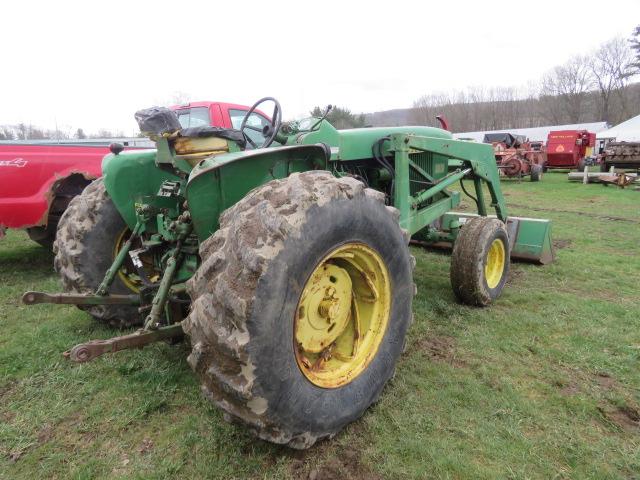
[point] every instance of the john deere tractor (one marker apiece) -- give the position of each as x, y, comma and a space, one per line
281, 251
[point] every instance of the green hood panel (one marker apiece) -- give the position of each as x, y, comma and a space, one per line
356, 143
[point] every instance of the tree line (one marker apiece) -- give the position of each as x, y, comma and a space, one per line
586, 88
22, 131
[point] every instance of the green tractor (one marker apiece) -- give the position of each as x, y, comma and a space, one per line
281, 250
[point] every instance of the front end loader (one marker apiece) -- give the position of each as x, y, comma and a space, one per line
282, 253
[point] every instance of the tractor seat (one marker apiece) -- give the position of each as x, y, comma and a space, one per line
188, 142
205, 140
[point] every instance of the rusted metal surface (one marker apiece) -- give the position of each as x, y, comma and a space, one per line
57, 198
32, 298
517, 161
85, 352
621, 155
620, 179
444, 123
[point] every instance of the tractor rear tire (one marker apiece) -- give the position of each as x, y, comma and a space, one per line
84, 250
247, 296
480, 261
536, 173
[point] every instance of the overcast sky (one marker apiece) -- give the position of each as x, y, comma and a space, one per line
93, 64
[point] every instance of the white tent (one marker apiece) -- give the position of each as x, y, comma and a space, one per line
536, 133
628, 131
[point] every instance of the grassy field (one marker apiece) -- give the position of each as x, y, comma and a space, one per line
544, 384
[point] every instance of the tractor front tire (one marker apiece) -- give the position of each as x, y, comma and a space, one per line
480, 261
253, 315
84, 250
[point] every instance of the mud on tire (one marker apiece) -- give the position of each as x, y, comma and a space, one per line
246, 292
84, 248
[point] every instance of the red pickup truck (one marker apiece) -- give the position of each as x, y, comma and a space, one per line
38, 179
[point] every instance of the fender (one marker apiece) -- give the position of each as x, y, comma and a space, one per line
217, 183
32, 209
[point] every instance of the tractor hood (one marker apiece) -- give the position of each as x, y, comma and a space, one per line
356, 143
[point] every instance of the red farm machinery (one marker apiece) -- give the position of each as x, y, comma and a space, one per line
569, 149
516, 156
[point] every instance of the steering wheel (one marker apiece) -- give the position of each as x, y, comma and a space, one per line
270, 130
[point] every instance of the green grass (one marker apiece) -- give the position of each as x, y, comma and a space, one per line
544, 384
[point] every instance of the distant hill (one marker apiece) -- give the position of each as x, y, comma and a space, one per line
508, 114
390, 118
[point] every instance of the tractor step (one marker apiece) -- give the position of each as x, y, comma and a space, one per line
85, 352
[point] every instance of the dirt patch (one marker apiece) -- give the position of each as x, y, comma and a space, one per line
15, 455
7, 388
559, 243
440, 349
45, 433
347, 466
515, 275
338, 462
626, 418
570, 389
606, 381
146, 446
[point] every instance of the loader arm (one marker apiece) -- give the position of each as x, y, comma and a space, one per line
465, 159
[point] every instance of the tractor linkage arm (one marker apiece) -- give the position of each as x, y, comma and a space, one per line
153, 329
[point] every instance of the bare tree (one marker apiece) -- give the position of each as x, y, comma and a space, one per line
570, 83
179, 98
609, 67
635, 46
102, 133
6, 133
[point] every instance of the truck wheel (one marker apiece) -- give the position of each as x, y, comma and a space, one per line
85, 246
581, 165
300, 307
43, 236
480, 261
536, 173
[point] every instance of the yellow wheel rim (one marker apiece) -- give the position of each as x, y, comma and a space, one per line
342, 315
494, 265
127, 272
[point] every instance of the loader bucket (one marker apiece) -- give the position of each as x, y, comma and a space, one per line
530, 238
